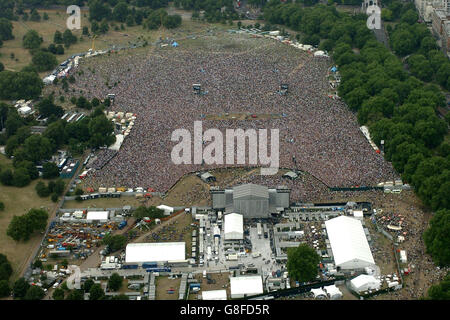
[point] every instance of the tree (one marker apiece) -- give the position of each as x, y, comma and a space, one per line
172, 21
21, 178
32, 40
54, 197
20, 85
57, 38
303, 263
120, 297
34, 293
96, 292
6, 177
37, 148
59, 51
5, 290
47, 107
120, 12
87, 285
440, 291
68, 38
42, 190
20, 288
115, 282
21, 227
115, 242
59, 187
104, 27
2, 67
6, 29
437, 237
29, 166
5, 268
44, 61
101, 131
75, 295
2, 206
58, 294
34, 15
50, 170
98, 11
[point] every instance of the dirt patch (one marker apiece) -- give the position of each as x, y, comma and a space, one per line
220, 281
164, 284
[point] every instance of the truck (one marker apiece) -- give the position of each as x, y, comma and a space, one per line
232, 257
256, 254
122, 225
130, 266
259, 229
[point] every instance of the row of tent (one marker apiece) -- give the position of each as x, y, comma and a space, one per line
331, 292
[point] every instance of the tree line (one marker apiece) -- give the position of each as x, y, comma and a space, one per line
396, 106
30, 150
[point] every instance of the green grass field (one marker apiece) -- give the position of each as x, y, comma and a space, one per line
17, 202
57, 21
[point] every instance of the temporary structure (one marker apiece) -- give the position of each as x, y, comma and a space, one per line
365, 282
333, 292
214, 295
319, 293
349, 243
155, 252
246, 286
234, 226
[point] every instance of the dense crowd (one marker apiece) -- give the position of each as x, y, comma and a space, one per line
318, 135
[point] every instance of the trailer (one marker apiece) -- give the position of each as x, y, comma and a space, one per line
130, 266
147, 265
159, 269
259, 229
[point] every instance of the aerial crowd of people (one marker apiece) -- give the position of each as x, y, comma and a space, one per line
242, 75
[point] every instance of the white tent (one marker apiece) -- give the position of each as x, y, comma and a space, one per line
167, 210
349, 243
246, 286
333, 292
49, 79
24, 110
319, 293
101, 216
365, 282
214, 295
234, 226
116, 145
155, 252
358, 214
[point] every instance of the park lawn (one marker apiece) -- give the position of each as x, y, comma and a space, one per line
57, 21
17, 202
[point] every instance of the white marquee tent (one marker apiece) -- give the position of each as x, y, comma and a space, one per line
246, 286
349, 243
234, 226
155, 252
167, 210
214, 295
101, 216
365, 282
319, 293
333, 292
